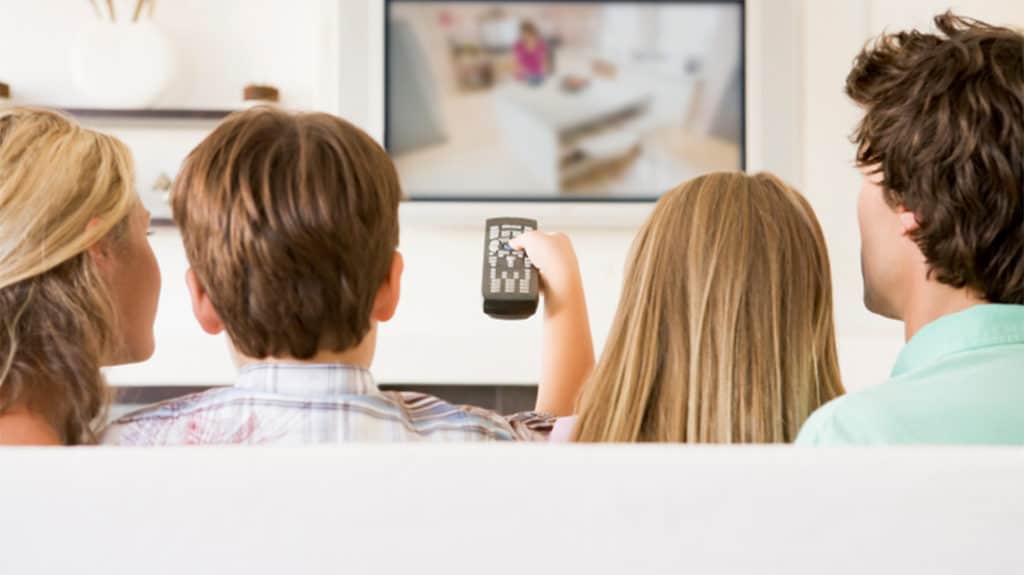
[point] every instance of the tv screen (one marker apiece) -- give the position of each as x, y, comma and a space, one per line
529, 100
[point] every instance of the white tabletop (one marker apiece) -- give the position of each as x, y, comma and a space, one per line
562, 110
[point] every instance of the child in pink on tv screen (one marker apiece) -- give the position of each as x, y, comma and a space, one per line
531, 54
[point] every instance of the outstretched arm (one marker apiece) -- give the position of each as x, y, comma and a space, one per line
567, 354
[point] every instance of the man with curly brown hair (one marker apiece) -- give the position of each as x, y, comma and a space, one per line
941, 212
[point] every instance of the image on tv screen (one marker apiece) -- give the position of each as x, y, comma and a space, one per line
562, 100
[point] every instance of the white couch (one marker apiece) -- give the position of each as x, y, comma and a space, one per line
511, 509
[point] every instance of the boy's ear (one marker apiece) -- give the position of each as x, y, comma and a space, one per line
202, 307
386, 303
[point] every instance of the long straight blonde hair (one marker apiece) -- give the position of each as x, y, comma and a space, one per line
62, 189
724, 330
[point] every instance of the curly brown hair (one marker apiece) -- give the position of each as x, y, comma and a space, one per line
944, 125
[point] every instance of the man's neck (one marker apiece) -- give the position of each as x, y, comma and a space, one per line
931, 300
358, 356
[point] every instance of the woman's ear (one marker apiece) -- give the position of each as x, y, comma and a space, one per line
100, 252
386, 303
202, 307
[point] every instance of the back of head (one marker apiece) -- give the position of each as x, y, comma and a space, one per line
944, 123
62, 189
724, 330
290, 223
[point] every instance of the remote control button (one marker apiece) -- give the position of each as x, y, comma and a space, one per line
504, 275
493, 233
528, 263
527, 229
493, 246
511, 261
495, 286
515, 275
524, 286
510, 286
492, 261
494, 274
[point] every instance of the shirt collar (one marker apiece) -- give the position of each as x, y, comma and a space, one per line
974, 328
307, 380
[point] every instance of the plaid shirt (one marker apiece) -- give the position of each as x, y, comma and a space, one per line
289, 404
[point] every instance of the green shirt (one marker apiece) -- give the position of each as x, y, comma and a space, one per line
959, 380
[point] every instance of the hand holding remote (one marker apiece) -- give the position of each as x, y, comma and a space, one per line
554, 257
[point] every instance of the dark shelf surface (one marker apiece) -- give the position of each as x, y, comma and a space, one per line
149, 113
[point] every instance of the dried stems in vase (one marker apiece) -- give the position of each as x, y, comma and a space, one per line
140, 6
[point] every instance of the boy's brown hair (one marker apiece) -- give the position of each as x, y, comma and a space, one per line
944, 124
290, 223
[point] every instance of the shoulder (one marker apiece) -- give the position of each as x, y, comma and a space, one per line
818, 427
24, 428
167, 421
858, 418
184, 404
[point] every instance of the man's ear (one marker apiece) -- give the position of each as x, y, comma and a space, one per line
386, 302
908, 221
202, 307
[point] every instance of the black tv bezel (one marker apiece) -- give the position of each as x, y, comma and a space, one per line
547, 199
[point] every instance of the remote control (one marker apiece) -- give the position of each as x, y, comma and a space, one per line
511, 287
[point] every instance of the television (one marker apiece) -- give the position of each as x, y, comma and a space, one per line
566, 101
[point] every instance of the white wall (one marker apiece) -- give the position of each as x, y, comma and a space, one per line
799, 52
275, 43
832, 35
919, 13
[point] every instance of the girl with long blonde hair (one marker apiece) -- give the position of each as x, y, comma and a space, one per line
724, 330
78, 281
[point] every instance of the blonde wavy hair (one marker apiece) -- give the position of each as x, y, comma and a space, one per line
724, 331
63, 188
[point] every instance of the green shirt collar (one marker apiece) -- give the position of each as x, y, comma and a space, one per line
974, 328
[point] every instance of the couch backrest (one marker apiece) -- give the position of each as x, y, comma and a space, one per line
511, 509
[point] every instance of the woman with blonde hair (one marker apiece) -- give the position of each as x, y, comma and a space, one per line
78, 280
724, 330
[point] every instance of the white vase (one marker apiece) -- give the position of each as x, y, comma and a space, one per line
120, 65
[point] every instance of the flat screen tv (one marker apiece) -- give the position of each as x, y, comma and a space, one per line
572, 100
